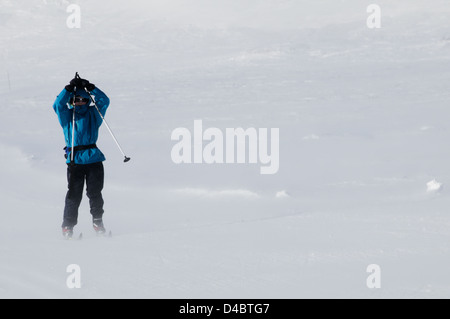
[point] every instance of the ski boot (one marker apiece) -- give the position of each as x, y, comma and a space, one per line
97, 223
67, 232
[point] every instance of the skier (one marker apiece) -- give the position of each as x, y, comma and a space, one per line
81, 122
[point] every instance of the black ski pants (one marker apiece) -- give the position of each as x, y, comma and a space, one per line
77, 174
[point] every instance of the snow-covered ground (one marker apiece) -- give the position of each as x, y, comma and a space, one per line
364, 149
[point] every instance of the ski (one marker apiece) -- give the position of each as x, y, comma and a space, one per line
71, 237
104, 234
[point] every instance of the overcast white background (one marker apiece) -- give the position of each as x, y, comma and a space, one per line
363, 118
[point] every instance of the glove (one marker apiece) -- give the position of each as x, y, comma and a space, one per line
88, 86
75, 82
85, 84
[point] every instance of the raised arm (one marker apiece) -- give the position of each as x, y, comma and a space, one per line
101, 99
61, 108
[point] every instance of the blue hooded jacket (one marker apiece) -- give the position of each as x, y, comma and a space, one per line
87, 123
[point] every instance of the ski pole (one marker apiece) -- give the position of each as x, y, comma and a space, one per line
73, 136
109, 129
73, 125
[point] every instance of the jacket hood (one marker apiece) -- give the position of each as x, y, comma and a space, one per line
83, 93
82, 108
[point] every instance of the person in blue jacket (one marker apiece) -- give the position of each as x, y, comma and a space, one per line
85, 165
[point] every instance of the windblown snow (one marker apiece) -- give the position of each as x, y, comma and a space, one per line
363, 121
